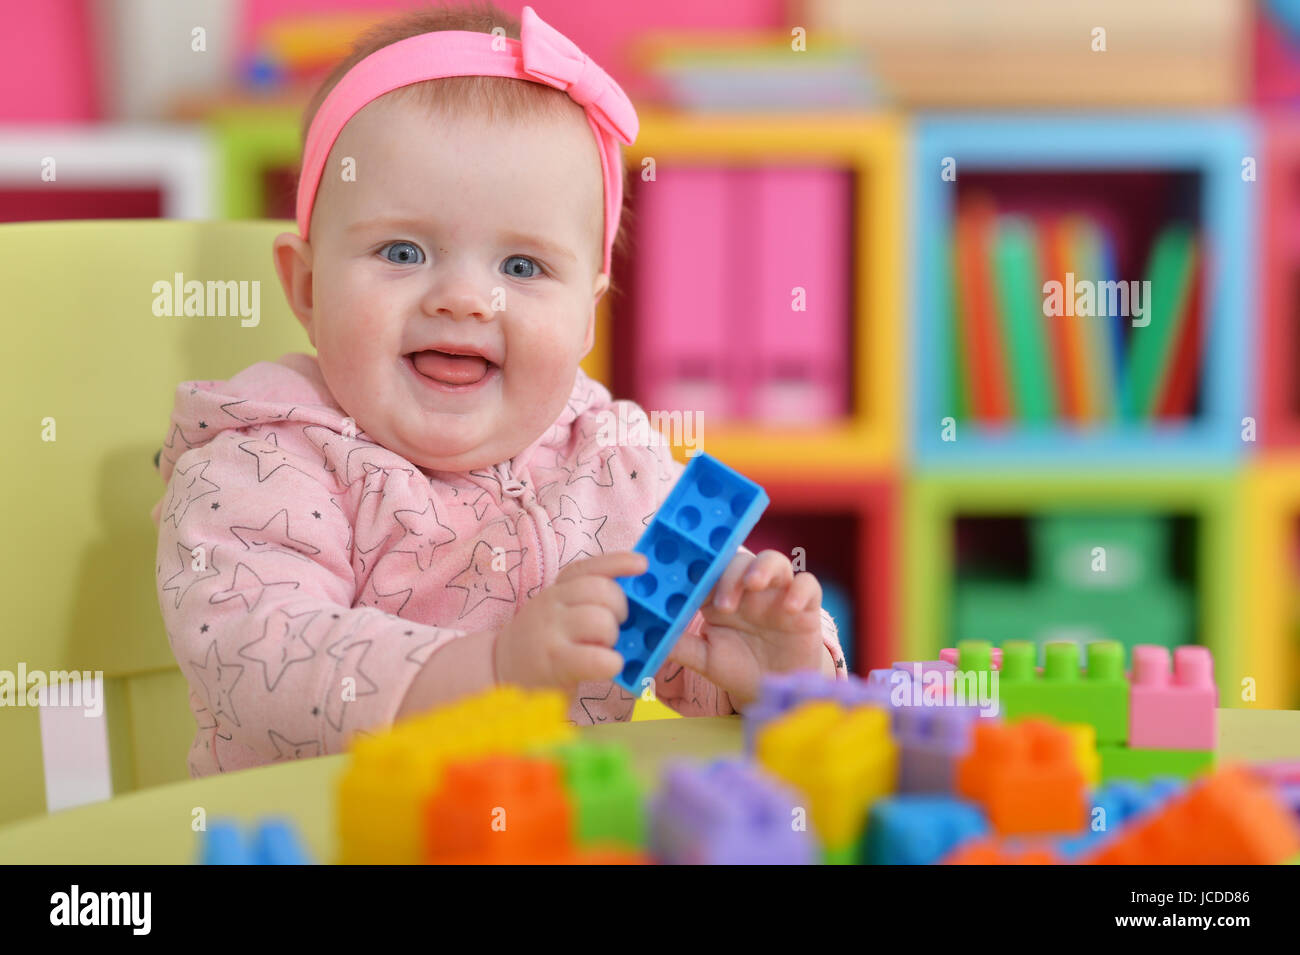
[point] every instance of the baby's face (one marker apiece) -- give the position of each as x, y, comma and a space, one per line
453, 284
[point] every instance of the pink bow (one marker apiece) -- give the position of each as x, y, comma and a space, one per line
554, 59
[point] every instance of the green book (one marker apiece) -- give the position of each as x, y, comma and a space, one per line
1151, 347
1018, 282
959, 404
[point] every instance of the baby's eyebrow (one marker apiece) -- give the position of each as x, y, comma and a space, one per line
549, 248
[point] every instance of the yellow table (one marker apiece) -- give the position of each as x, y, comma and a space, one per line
155, 825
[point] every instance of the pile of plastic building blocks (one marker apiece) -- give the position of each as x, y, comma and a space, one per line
1077, 765
495, 778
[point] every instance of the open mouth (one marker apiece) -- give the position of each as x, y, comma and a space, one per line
450, 370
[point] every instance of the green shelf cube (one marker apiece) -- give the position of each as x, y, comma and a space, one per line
1136, 551
1097, 695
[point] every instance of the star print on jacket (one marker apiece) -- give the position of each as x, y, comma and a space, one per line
335, 569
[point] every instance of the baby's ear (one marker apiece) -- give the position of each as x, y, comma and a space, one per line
293, 263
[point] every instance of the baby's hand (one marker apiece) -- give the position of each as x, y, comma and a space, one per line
566, 634
763, 618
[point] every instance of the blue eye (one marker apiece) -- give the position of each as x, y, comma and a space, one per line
532, 267
410, 254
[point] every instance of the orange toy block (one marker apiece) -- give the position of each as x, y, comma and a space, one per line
1229, 818
501, 810
1026, 776
989, 852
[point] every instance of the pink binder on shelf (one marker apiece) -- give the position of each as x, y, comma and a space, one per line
683, 345
794, 231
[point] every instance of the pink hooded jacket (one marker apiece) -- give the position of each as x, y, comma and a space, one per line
306, 574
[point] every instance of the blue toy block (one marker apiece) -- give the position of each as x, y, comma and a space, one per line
223, 844
727, 813
274, 842
919, 830
689, 543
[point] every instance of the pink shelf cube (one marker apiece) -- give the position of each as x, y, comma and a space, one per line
1177, 712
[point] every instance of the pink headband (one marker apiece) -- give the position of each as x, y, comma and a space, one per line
543, 55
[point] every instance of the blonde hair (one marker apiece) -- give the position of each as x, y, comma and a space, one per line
494, 96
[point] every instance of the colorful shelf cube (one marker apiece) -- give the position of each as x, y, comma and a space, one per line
689, 543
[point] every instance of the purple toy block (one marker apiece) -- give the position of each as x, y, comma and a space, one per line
1177, 713
726, 813
931, 740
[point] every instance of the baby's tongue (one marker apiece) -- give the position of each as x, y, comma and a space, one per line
450, 369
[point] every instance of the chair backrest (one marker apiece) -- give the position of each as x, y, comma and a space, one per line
90, 364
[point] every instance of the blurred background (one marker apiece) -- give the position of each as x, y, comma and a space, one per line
842, 215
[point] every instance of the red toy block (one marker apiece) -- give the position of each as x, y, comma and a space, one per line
1026, 777
1230, 818
501, 810
1177, 714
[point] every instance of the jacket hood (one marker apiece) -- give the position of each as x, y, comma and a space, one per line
292, 388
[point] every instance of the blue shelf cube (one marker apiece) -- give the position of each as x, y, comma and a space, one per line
689, 543
1211, 146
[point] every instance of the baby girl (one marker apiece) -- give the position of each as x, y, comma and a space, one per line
430, 506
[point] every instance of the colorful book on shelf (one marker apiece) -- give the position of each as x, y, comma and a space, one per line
1178, 394
960, 404
1171, 272
1086, 258
1113, 327
1069, 360
1019, 301
981, 338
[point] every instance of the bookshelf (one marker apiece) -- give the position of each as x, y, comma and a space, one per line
1132, 172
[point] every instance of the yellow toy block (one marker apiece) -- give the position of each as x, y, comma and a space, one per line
1084, 737
840, 760
653, 710
391, 776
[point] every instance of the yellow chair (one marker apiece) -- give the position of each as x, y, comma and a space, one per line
87, 357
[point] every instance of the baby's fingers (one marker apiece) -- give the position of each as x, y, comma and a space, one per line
769, 567
804, 594
585, 662
726, 595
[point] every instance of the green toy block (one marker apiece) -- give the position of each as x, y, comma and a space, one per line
1098, 696
1133, 556
609, 804
1160, 614
845, 855
1143, 765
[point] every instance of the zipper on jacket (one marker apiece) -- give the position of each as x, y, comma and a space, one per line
516, 489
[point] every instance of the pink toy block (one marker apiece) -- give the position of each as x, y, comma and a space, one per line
796, 220
949, 655
683, 288
1172, 714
